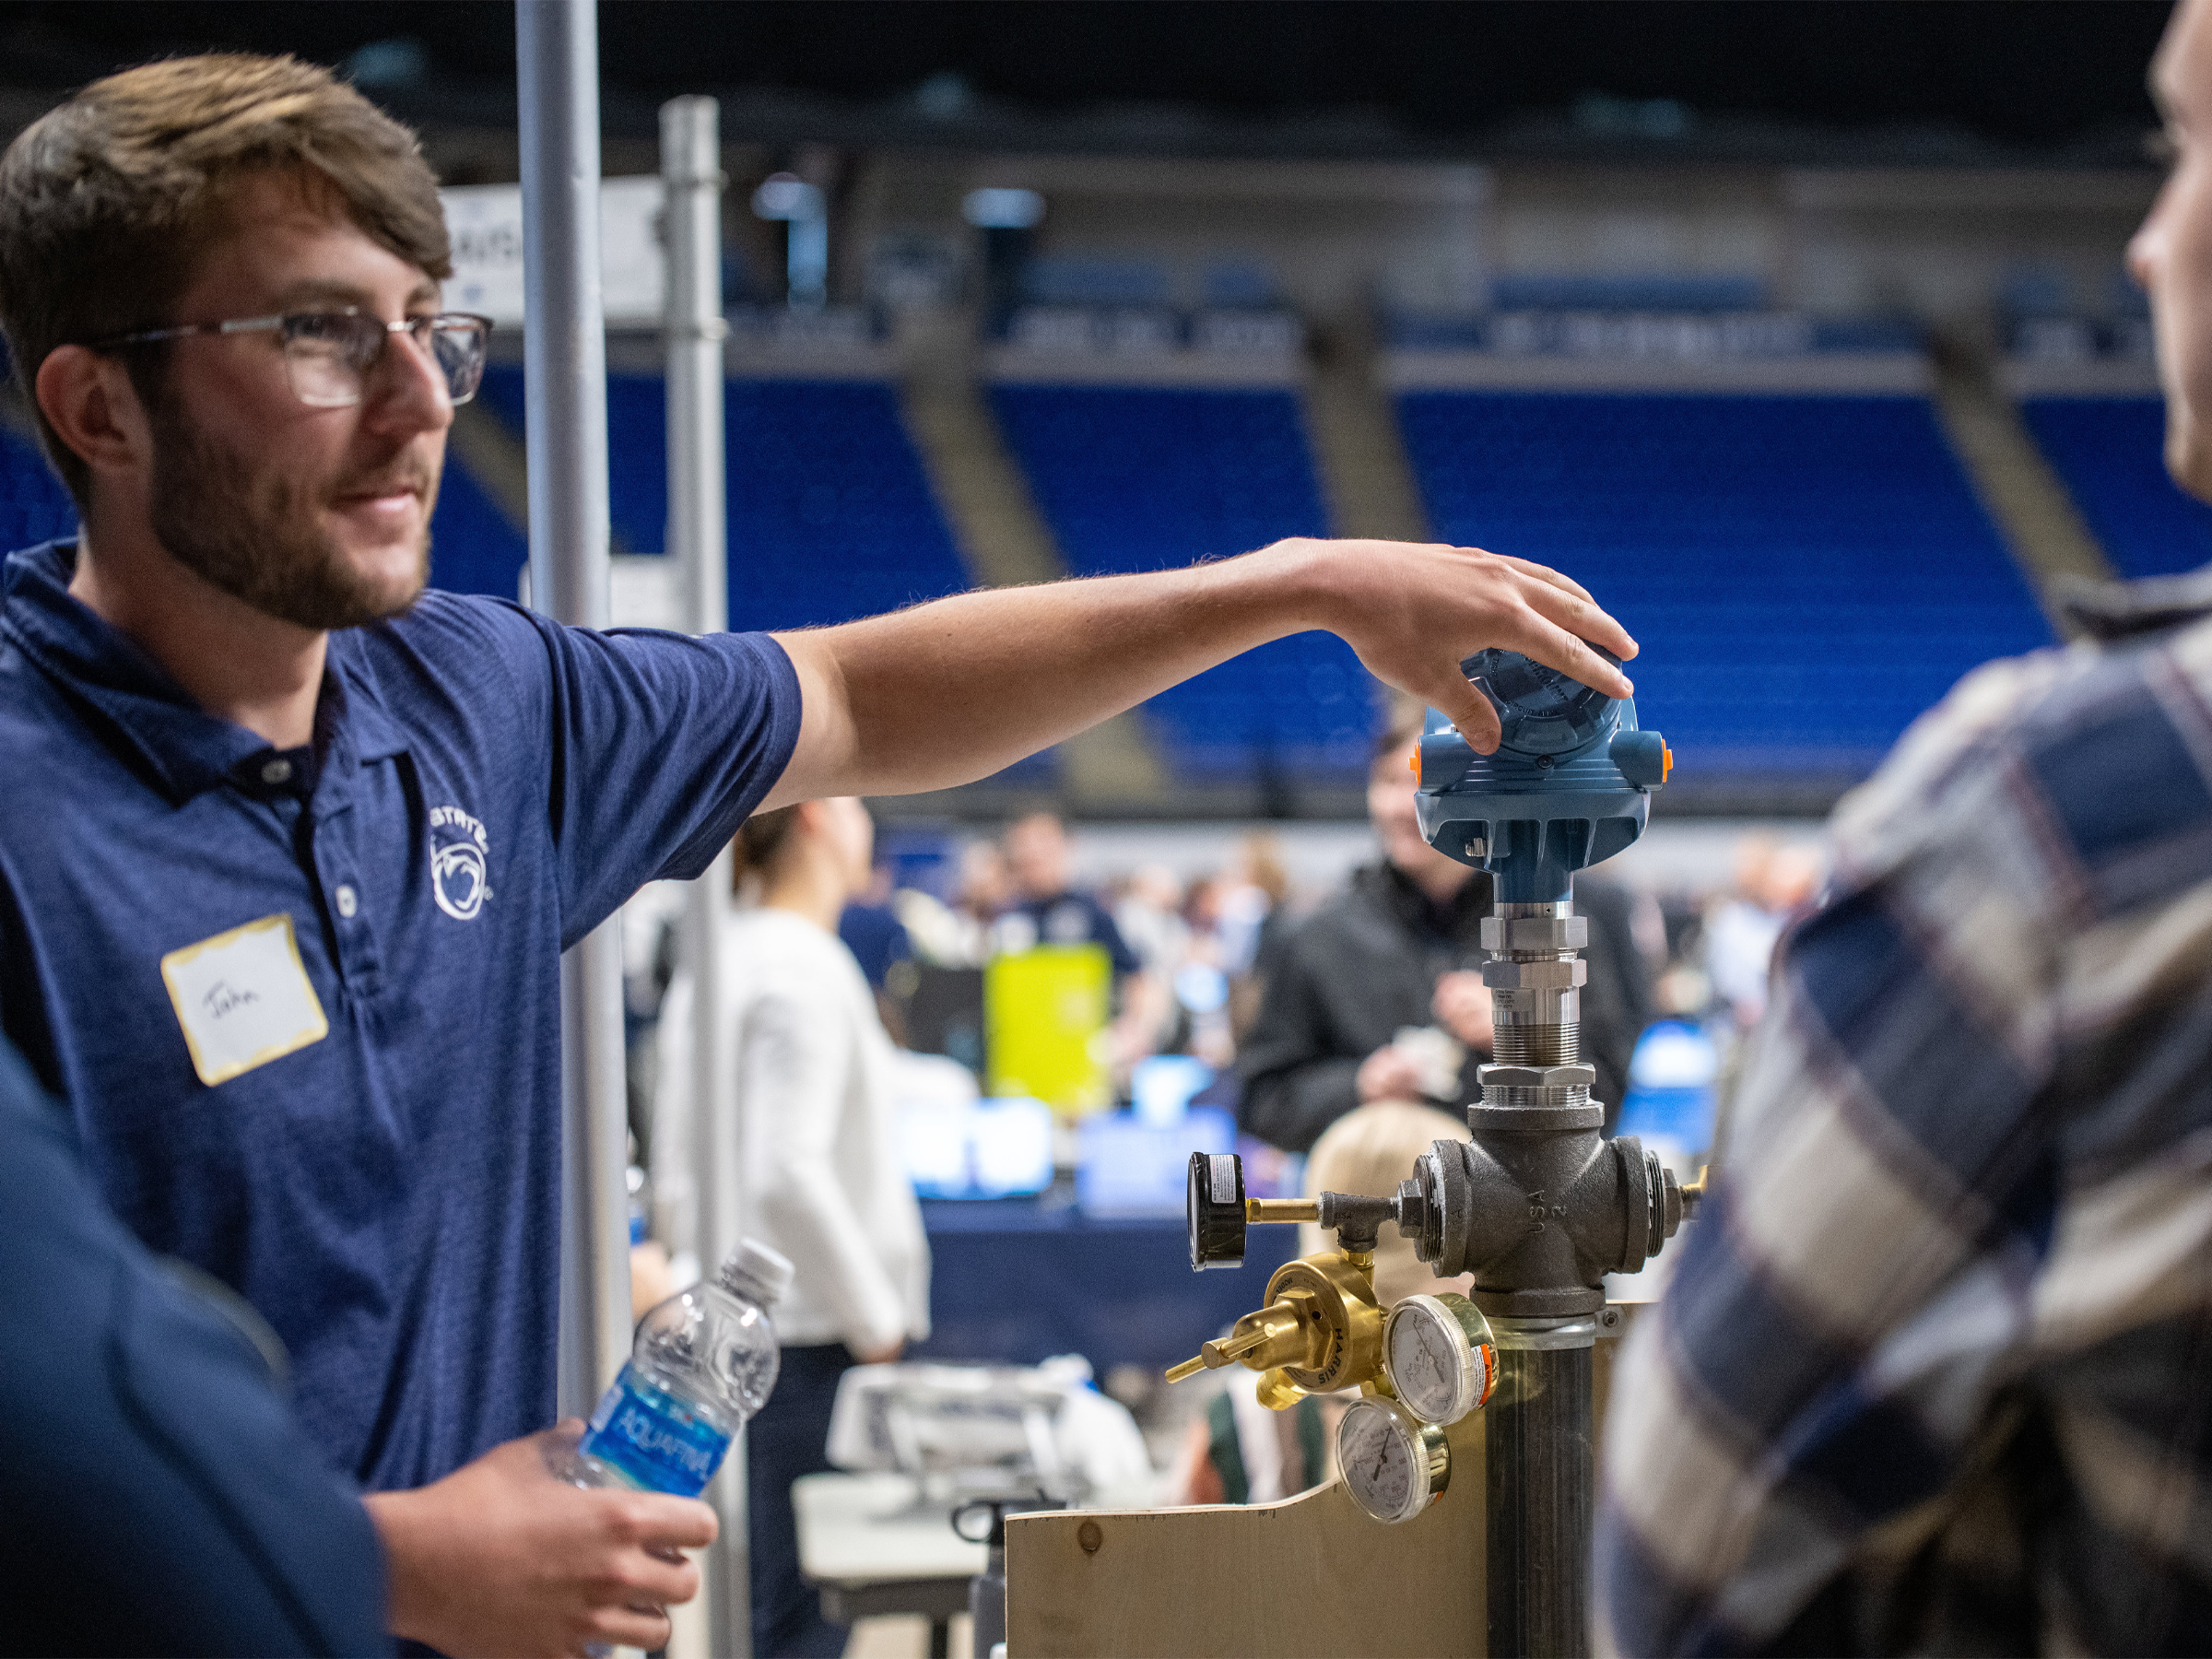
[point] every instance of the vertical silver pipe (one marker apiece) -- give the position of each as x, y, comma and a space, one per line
691, 175
557, 65
699, 541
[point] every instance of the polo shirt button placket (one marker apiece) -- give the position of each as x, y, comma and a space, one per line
336, 870
358, 961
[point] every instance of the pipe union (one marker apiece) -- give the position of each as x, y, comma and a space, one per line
1537, 1077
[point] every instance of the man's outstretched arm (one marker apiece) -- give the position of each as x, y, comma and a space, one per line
951, 691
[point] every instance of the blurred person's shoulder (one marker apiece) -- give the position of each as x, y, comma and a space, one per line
155, 1494
1362, 911
781, 951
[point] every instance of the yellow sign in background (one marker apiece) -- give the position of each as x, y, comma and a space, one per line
1044, 1025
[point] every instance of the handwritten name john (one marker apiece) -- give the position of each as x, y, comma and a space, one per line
224, 997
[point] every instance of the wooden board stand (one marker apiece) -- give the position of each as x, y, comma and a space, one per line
1310, 1575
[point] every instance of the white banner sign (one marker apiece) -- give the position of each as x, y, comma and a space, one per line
486, 224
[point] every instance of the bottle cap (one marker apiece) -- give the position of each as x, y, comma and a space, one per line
764, 1272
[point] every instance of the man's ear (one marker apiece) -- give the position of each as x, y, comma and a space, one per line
94, 409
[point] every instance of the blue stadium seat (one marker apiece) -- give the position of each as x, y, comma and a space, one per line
1140, 478
33, 505
474, 549
2110, 451
830, 516
1805, 574
831, 513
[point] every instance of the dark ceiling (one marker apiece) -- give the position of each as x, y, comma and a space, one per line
1936, 81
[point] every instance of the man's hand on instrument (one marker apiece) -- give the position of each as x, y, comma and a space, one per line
503, 1558
1412, 611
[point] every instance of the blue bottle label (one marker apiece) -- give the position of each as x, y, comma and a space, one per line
652, 1438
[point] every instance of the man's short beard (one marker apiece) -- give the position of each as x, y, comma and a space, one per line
260, 543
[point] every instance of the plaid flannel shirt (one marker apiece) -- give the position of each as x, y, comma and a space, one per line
1936, 1371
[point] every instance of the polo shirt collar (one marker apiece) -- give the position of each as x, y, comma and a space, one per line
350, 686
186, 750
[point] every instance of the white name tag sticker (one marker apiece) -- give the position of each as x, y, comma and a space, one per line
244, 998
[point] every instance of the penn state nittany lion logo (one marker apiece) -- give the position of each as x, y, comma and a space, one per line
457, 870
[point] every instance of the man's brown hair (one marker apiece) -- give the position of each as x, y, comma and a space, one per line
107, 201
1403, 720
760, 841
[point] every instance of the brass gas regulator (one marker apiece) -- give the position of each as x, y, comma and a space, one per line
1420, 1368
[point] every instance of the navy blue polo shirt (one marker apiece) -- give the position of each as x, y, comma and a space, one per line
484, 789
1072, 918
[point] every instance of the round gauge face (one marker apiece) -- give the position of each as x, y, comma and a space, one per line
1394, 1466
1541, 710
1432, 1366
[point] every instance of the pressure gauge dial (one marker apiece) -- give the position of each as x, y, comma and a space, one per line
1395, 1465
1214, 1210
1439, 1356
1540, 711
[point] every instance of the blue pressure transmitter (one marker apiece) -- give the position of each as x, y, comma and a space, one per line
1537, 1205
1570, 785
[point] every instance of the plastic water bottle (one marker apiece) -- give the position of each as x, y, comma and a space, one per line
704, 1361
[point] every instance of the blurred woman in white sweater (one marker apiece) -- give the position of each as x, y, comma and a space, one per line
814, 1161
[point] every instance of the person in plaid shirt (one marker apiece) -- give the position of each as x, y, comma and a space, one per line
1935, 1373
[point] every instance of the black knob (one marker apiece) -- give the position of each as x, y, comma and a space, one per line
1215, 1209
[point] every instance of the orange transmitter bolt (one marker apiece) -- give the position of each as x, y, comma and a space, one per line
1413, 762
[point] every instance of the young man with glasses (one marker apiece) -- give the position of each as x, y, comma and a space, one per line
290, 847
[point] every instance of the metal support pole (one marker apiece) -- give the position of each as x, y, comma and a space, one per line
698, 525
1540, 1474
699, 541
557, 62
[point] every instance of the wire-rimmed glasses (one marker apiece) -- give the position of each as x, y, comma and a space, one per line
328, 354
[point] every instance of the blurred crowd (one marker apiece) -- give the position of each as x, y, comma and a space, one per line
1262, 978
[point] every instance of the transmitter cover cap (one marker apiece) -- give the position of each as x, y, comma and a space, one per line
1540, 711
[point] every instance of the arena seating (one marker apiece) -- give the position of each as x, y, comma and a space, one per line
830, 515
1141, 478
33, 505
474, 549
1805, 574
2110, 451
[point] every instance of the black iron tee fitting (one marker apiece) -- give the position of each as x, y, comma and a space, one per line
1538, 1206
1539, 1209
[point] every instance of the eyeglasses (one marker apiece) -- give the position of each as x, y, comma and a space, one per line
328, 354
